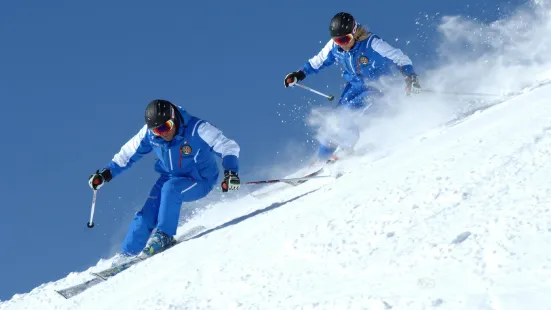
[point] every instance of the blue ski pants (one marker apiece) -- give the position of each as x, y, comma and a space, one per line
162, 210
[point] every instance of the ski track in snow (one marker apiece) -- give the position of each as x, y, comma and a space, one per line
457, 218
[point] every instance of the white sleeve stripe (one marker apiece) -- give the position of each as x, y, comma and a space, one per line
370, 40
390, 52
129, 149
214, 137
317, 61
194, 128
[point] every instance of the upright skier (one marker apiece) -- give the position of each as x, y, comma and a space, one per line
185, 146
365, 58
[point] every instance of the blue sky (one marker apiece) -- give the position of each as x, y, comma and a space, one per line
75, 78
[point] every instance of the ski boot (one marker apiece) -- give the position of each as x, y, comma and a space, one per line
121, 258
157, 244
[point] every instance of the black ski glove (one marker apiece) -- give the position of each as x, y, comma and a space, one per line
293, 77
412, 85
97, 179
231, 181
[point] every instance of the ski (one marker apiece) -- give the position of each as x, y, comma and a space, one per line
79, 288
110, 272
105, 274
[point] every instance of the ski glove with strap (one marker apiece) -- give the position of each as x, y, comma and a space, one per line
231, 181
412, 85
97, 179
292, 78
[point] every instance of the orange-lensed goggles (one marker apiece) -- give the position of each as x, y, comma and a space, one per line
164, 128
344, 40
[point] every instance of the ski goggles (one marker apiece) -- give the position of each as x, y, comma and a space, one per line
164, 128
344, 40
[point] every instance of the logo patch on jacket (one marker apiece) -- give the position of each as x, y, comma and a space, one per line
364, 60
186, 149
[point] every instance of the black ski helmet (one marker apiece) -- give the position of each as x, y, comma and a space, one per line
342, 24
158, 112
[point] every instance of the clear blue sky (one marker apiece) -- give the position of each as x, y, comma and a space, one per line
76, 76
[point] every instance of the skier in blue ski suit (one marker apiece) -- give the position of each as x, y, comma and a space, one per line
186, 147
365, 57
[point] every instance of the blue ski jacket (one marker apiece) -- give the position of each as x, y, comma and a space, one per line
369, 59
190, 154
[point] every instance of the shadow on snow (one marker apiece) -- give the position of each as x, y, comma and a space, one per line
250, 215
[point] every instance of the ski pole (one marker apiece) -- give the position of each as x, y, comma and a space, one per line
91, 223
288, 180
457, 93
329, 97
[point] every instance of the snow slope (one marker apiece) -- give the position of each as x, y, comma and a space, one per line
458, 218
453, 217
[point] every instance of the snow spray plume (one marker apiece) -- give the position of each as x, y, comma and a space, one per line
500, 57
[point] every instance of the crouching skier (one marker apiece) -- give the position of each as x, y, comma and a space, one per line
185, 146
